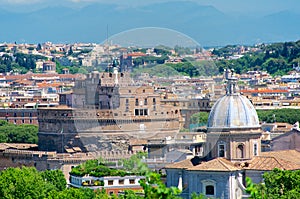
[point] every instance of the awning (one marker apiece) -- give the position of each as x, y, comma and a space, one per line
69, 150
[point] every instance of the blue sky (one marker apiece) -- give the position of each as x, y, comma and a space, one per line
251, 7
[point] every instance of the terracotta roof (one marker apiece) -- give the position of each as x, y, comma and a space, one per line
292, 156
184, 164
270, 163
45, 84
136, 54
41, 75
4, 146
218, 164
137, 142
264, 91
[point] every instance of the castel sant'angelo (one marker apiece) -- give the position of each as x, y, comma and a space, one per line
104, 111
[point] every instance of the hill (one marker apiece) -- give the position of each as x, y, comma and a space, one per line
205, 24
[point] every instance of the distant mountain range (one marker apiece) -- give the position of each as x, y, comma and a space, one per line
205, 24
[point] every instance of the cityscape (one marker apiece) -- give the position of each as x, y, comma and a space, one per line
149, 112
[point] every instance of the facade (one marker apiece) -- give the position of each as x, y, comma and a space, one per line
19, 115
111, 184
287, 141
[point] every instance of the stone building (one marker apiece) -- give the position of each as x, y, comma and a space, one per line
233, 152
108, 110
49, 67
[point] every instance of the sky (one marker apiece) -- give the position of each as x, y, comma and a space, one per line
250, 7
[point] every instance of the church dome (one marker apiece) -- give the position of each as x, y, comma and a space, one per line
232, 111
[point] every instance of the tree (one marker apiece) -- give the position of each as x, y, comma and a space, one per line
277, 184
39, 47
290, 116
25, 133
198, 118
72, 193
154, 188
55, 177
23, 183
70, 52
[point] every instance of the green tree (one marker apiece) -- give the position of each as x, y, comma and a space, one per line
55, 177
277, 184
72, 193
24, 133
23, 183
39, 47
198, 118
154, 188
290, 116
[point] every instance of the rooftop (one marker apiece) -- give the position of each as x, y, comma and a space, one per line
218, 164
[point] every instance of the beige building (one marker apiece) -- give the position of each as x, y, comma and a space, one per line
108, 110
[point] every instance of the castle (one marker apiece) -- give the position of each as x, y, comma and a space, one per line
103, 113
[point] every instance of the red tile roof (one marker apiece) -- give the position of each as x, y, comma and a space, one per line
264, 91
218, 164
136, 54
184, 164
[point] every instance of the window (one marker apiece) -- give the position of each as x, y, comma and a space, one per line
154, 101
131, 181
121, 181
145, 102
209, 187
140, 112
110, 182
127, 101
221, 150
240, 151
136, 102
255, 149
145, 111
209, 190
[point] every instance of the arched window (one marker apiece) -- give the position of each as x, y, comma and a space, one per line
209, 187
240, 151
221, 149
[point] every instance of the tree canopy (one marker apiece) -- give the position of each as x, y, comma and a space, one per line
277, 184
290, 116
24, 133
276, 59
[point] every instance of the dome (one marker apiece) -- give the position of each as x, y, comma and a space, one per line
232, 111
